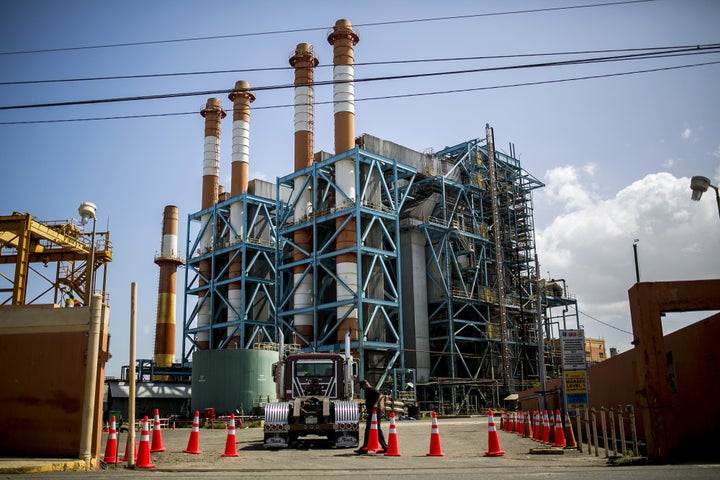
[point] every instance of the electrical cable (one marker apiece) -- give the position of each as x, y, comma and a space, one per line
649, 51
311, 29
605, 323
695, 50
386, 97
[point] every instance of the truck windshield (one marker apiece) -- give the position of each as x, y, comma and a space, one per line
310, 368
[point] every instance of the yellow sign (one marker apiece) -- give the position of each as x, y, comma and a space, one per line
576, 389
575, 382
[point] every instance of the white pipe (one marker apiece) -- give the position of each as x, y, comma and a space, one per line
88, 410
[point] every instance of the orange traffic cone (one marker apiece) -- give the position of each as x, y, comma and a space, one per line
546, 427
528, 426
373, 440
519, 427
392, 443
559, 434
569, 434
230, 447
157, 445
126, 458
493, 440
537, 431
143, 458
107, 430
193, 445
111, 445
503, 422
435, 450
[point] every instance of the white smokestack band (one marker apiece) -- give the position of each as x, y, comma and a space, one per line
343, 89
240, 153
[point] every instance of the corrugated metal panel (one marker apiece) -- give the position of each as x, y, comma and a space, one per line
151, 390
230, 380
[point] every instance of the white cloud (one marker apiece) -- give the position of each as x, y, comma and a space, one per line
686, 134
590, 245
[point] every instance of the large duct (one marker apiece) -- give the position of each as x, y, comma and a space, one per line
343, 39
213, 114
241, 97
168, 261
304, 62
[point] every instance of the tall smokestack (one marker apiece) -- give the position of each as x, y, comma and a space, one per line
343, 39
168, 261
213, 114
241, 97
304, 62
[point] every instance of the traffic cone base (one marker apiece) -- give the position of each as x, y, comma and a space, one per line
392, 443
493, 440
230, 446
435, 449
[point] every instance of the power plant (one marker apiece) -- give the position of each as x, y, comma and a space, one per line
427, 259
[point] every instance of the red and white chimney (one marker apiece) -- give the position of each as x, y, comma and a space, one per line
213, 114
168, 261
343, 39
241, 97
304, 62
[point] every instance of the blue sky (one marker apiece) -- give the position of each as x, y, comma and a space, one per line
616, 153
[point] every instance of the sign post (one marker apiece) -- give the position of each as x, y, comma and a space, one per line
575, 384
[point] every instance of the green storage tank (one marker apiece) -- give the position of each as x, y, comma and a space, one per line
232, 381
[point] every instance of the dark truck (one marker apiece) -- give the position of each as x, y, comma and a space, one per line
315, 397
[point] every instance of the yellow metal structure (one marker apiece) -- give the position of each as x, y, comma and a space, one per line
25, 241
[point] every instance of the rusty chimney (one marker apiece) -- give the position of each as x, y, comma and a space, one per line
213, 114
168, 261
304, 62
241, 97
343, 39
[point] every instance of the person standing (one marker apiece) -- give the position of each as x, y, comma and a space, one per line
372, 401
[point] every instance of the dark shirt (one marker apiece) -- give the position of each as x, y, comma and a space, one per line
372, 396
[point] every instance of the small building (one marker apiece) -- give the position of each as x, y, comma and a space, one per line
595, 350
171, 399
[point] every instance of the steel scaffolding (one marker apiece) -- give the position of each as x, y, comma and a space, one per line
254, 321
381, 185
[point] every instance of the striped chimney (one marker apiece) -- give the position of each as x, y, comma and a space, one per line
343, 39
304, 62
241, 97
168, 261
213, 114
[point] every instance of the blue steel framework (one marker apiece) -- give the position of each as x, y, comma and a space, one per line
470, 347
255, 323
381, 186
469, 355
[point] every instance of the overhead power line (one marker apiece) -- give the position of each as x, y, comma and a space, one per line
679, 52
312, 29
643, 51
387, 97
605, 323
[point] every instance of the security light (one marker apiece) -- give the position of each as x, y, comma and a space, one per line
699, 185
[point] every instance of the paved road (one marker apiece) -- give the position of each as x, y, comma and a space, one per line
463, 441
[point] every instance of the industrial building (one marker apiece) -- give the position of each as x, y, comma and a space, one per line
428, 259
